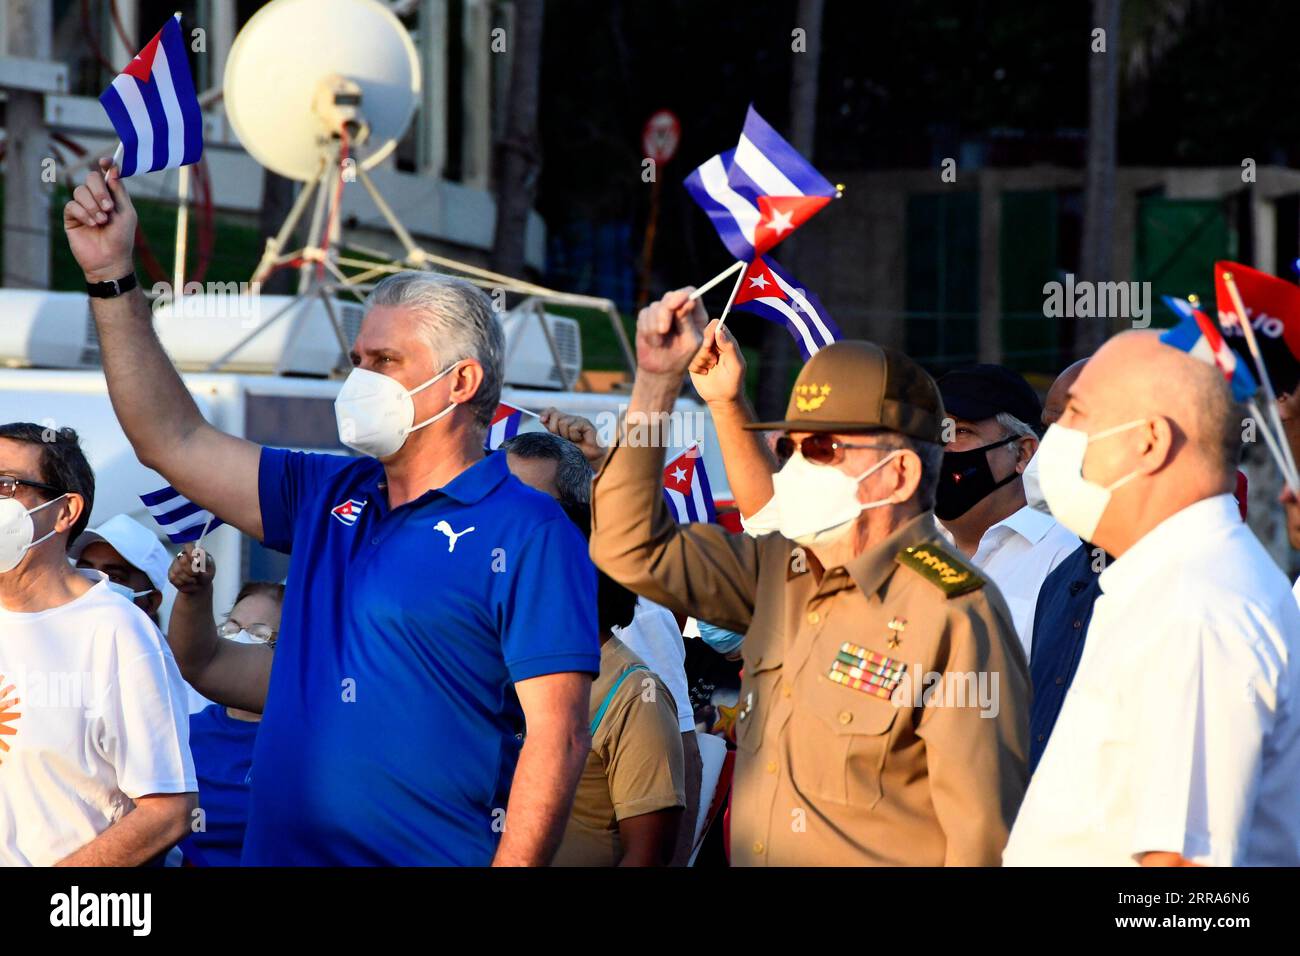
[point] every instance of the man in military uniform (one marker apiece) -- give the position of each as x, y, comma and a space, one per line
884, 707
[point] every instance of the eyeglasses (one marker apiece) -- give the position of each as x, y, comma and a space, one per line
9, 486
820, 448
264, 633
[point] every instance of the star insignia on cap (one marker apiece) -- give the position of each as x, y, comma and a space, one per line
816, 397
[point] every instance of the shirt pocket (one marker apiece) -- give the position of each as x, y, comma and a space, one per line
758, 690
839, 742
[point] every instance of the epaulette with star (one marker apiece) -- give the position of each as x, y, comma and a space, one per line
934, 562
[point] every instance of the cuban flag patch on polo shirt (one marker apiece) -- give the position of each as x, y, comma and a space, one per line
349, 511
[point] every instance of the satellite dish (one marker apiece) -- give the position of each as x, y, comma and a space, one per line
303, 71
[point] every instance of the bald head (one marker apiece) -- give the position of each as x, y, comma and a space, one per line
1059, 393
1135, 375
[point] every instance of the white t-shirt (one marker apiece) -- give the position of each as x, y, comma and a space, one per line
653, 636
1181, 729
92, 715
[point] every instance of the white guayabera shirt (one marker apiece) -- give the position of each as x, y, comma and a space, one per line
1181, 730
1017, 554
92, 715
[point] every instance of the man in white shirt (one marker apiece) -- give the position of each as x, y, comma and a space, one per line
980, 501
1179, 740
131, 556
95, 765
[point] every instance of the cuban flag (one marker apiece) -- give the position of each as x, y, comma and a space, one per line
153, 107
180, 519
1197, 335
1273, 306
760, 192
769, 291
505, 424
686, 488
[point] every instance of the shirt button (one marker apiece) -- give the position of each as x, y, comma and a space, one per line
1078, 624
814, 617
758, 846
1060, 681
1040, 738
771, 766
374, 540
845, 717
786, 691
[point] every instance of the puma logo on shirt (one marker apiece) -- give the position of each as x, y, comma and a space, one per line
452, 536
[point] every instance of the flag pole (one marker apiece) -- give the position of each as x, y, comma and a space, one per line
727, 310
1273, 443
117, 156
1290, 471
182, 232
738, 264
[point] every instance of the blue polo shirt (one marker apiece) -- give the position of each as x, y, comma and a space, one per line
392, 728
1060, 627
223, 759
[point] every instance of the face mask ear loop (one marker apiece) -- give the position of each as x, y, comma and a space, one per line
50, 533
420, 388
440, 375
878, 465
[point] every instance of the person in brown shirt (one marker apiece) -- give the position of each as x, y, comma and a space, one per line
628, 807
884, 703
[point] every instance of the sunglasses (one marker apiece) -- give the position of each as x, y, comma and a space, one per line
820, 448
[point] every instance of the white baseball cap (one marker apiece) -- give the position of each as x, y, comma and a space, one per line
134, 542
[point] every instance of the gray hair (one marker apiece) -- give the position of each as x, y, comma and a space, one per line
457, 319
1014, 426
572, 473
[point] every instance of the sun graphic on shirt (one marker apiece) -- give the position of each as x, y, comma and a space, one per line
8, 714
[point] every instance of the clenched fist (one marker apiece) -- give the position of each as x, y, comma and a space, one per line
192, 570
576, 429
100, 224
718, 369
669, 333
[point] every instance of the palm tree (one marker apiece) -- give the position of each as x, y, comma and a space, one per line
518, 155
1097, 254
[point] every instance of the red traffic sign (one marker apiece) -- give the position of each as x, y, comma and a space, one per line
661, 135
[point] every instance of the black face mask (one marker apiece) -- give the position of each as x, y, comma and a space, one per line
965, 479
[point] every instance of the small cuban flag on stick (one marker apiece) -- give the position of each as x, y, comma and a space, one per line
768, 291
180, 519
505, 425
154, 109
756, 195
1199, 336
686, 488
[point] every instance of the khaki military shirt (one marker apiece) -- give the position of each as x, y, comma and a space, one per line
635, 765
884, 708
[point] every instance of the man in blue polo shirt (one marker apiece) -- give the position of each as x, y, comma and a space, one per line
436, 606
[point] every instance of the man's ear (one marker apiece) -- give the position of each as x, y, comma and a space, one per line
154, 600
73, 507
1026, 448
466, 381
908, 468
1158, 437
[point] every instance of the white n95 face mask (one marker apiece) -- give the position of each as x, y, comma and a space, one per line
17, 530
817, 504
1033, 487
1076, 502
126, 592
375, 412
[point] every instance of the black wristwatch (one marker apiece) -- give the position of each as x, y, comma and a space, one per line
112, 288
